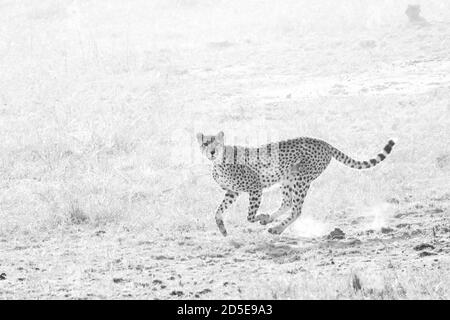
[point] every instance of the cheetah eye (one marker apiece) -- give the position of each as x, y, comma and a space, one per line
207, 143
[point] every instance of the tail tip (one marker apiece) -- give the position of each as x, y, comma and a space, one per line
389, 146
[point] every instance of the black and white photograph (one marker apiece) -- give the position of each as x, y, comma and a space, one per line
232, 150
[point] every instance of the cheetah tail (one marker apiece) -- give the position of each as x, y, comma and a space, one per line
342, 157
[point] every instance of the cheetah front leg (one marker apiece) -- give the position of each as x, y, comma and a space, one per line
300, 188
230, 197
286, 204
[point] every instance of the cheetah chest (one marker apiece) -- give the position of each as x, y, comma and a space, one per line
236, 177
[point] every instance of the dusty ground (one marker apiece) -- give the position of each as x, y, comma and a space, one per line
409, 259
103, 193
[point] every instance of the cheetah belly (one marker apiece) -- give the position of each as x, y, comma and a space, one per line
236, 177
270, 176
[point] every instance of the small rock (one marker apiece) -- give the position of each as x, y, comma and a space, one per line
100, 232
177, 293
423, 246
386, 230
426, 254
3, 276
393, 200
354, 242
435, 210
204, 291
118, 280
162, 257
336, 234
416, 232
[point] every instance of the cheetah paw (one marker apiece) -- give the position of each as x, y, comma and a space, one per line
252, 219
264, 219
276, 230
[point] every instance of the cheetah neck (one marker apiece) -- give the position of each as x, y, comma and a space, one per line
247, 156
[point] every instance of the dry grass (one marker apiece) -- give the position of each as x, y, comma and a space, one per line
386, 285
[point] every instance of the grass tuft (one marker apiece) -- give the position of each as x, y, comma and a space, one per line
77, 215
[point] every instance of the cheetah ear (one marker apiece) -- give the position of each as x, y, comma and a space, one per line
219, 136
200, 138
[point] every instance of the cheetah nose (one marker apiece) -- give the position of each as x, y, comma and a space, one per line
213, 152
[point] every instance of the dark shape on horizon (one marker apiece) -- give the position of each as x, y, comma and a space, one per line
413, 13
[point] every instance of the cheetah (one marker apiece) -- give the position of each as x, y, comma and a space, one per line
294, 163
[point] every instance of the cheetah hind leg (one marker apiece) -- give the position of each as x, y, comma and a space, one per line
300, 190
286, 205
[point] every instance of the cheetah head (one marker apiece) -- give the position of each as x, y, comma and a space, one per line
211, 146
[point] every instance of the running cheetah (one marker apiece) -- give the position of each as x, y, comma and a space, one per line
294, 163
